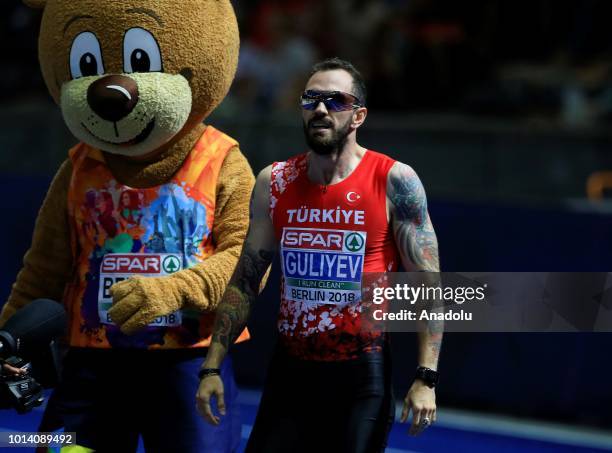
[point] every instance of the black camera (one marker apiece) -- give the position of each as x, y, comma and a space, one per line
20, 392
30, 333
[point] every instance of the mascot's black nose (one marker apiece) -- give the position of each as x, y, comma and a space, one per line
113, 97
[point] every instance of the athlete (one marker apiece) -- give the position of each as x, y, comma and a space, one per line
333, 213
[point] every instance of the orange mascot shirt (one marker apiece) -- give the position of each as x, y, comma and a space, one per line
118, 232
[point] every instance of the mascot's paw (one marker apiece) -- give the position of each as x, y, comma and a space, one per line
139, 300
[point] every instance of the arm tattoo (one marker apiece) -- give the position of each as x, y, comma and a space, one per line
243, 288
418, 246
414, 233
434, 339
431, 331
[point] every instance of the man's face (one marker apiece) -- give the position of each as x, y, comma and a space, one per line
326, 131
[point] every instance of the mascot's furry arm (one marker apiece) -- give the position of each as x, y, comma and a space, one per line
138, 300
47, 266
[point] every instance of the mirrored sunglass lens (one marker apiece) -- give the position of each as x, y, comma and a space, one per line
335, 102
339, 103
334, 105
309, 104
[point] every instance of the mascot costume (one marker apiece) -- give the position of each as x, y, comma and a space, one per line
143, 223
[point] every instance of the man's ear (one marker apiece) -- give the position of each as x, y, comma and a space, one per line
359, 116
38, 4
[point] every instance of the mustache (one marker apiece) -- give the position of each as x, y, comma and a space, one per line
321, 121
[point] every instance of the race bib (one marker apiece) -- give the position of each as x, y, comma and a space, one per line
118, 267
322, 266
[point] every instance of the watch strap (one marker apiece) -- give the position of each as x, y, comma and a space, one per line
205, 372
428, 376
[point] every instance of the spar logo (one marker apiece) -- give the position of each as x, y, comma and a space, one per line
171, 264
354, 242
140, 263
313, 239
324, 240
131, 264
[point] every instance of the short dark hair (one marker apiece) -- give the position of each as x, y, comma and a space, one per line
332, 64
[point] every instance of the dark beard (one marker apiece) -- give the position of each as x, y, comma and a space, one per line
325, 147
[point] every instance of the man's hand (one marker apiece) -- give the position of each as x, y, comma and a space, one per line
422, 401
14, 371
139, 300
210, 386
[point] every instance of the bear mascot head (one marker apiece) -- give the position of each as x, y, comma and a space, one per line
134, 77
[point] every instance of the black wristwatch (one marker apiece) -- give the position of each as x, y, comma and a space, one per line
205, 372
428, 376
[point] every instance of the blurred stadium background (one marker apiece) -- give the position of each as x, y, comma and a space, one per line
504, 109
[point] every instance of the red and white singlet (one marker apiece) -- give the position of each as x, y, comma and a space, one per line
329, 236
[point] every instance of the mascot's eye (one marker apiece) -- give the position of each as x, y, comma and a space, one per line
141, 52
86, 56
88, 65
140, 61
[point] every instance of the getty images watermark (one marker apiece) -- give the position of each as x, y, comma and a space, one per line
428, 296
488, 302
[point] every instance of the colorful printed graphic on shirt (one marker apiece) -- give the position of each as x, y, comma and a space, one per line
119, 232
159, 224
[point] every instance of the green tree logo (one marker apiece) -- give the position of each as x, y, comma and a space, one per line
354, 242
171, 264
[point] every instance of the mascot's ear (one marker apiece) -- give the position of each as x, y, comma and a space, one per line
39, 4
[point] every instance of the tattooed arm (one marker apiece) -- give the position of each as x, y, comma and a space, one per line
416, 240
412, 228
235, 306
418, 247
257, 254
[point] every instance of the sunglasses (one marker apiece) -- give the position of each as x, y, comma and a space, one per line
334, 101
